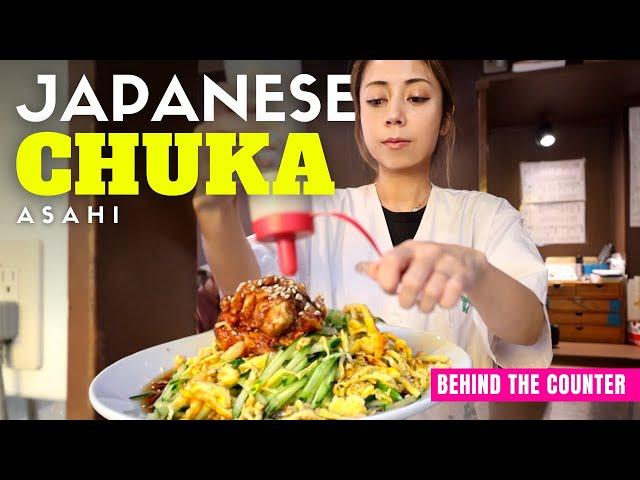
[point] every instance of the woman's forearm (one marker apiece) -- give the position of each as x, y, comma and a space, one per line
511, 311
227, 249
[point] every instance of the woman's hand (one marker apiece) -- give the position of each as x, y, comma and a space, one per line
427, 273
225, 243
226, 121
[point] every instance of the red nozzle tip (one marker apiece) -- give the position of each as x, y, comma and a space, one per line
284, 228
287, 255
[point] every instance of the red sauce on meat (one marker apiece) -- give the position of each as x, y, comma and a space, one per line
267, 313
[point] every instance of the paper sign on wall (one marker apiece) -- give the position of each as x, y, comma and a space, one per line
558, 181
553, 201
555, 223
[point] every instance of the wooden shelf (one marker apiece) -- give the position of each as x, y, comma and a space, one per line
487, 80
589, 92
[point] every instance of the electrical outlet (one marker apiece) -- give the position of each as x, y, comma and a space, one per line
21, 268
8, 284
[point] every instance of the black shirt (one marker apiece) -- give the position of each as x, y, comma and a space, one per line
402, 225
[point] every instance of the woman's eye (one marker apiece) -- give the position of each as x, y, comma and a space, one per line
418, 99
375, 101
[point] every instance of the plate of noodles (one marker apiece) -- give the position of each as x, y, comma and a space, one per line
277, 354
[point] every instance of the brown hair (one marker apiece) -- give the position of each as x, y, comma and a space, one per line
448, 108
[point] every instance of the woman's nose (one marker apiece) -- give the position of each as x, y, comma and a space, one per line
395, 116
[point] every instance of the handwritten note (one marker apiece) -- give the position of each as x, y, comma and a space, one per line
555, 223
634, 167
557, 181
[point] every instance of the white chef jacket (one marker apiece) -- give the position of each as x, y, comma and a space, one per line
327, 260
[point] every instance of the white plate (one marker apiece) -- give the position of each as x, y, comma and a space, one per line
110, 390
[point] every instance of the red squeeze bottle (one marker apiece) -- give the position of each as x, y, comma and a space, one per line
284, 228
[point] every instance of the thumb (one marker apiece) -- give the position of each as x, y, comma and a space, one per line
368, 268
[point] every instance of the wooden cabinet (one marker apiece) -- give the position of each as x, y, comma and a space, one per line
588, 312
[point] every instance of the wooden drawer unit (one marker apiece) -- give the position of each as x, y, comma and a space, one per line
588, 312
591, 333
599, 290
579, 318
561, 290
579, 304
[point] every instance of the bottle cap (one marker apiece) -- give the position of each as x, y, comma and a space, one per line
284, 229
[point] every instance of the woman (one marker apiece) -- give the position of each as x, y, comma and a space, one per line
457, 263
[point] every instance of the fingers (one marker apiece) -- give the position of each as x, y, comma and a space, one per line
445, 286
406, 262
416, 276
452, 292
368, 268
271, 154
392, 266
420, 273
433, 291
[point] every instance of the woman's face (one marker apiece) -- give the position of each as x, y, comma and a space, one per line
400, 111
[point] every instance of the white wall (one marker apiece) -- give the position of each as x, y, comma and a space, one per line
18, 85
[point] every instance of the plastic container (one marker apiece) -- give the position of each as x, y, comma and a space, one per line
280, 219
579, 267
588, 268
633, 331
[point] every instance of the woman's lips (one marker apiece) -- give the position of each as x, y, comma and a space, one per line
396, 143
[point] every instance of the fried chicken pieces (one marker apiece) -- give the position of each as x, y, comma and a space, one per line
266, 313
